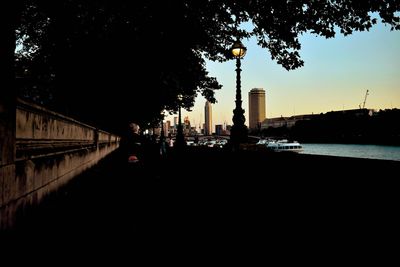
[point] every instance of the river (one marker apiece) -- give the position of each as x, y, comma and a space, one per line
355, 151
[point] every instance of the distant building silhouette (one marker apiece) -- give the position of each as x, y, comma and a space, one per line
186, 126
256, 107
228, 129
208, 119
289, 122
219, 129
166, 127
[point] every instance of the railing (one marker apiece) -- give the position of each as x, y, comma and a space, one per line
51, 149
41, 132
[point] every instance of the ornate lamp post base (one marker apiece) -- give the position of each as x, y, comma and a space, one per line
238, 135
180, 140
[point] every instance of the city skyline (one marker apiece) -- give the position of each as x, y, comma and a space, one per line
336, 75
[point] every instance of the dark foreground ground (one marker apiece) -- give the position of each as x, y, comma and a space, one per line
220, 200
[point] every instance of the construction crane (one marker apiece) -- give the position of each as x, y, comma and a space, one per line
365, 100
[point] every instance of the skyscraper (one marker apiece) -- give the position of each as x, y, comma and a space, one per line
208, 119
256, 107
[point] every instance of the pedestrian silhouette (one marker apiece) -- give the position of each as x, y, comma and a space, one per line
132, 144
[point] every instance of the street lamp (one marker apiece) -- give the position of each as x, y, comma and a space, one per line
162, 137
180, 140
238, 130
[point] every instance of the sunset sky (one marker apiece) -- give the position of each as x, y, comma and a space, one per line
336, 74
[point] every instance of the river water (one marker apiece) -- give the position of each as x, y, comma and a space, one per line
354, 151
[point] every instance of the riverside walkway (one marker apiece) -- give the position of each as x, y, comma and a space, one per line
218, 196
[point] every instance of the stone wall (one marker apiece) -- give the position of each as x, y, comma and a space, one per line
51, 149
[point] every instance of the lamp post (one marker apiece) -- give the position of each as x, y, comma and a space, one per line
180, 140
162, 137
238, 130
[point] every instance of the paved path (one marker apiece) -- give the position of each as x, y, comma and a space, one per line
222, 199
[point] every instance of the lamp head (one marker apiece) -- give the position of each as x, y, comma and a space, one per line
238, 49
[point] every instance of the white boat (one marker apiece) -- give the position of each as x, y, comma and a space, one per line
284, 145
264, 141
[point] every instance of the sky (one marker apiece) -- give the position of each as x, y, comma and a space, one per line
336, 74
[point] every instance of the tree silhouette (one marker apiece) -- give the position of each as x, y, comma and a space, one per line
113, 61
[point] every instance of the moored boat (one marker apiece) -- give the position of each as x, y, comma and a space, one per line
284, 145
